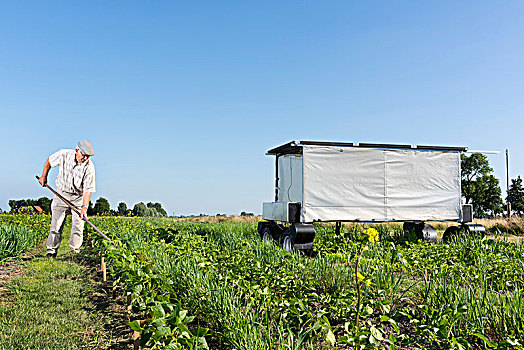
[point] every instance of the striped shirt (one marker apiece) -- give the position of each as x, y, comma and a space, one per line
73, 177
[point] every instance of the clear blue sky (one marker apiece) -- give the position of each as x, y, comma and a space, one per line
182, 99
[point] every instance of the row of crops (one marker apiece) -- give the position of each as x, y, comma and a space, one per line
196, 283
19, 233
217, 285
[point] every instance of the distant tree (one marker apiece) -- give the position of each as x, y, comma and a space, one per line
160, 210
516, 196
44, 203
122, 209
12, 205
101, 206
157, 210
246, 214
479, 186
140, 209
16, 204
151, 211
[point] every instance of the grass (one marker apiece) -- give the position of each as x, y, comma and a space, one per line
48, 308
51, 304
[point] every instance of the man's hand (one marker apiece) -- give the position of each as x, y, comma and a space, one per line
83, 213
42, 180
85, 201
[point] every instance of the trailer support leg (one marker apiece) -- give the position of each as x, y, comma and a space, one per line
338, 225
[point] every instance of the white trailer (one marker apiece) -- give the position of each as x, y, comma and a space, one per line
357, 182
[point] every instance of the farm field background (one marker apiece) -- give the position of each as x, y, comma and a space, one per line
217, 285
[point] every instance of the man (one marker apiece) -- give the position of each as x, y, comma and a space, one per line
75, 182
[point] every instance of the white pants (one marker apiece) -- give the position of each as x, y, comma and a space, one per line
59, 211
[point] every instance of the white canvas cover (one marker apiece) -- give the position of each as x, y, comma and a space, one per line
373, 184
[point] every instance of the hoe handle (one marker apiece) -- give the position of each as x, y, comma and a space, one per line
77, 212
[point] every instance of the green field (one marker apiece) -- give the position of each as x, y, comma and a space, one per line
217, 285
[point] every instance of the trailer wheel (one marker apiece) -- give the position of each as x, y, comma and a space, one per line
287, 241
475, 229
450, 232
266, 235
416, 227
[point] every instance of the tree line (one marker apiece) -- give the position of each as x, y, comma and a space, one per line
101, 207
479, 187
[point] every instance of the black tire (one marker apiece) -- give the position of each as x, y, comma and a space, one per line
414, 226
476, 230
286, 241
450, 232
266, 235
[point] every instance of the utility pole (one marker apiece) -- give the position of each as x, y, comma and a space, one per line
507, 183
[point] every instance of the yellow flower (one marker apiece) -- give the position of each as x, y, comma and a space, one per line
372, 235
359, 277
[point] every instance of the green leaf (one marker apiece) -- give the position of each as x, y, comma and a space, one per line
173, 346
486, 340
135, 325
394, 324
164, 331
183, 314
461, 343
392, 338
384, 318
376, 333
201, 344
373, 340
159, 322
367, 310
200, 332
158, 311
183, 328
185, 334
330, 337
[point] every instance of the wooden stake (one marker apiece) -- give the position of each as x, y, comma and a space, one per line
104, 272
113, 294
136, 339
128, 300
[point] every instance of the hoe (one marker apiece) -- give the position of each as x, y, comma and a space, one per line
78, 213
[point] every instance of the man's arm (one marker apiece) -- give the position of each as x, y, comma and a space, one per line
86, 197
43, 178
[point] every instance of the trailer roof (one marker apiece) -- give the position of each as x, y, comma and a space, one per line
295, 147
